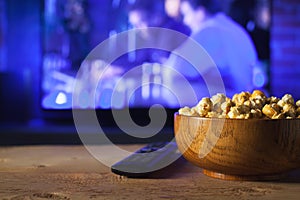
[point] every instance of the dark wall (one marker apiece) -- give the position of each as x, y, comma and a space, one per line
285, 48
20, 79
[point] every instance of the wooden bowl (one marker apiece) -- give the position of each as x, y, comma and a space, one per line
239, 149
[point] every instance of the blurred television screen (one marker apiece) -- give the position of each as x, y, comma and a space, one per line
72, 29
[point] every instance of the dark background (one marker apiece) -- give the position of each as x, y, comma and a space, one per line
22, 119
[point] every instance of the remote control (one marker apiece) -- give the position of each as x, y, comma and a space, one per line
148, 160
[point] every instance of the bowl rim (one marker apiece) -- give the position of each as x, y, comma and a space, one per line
234, 119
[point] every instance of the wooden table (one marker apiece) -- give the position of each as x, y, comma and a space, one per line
70, 172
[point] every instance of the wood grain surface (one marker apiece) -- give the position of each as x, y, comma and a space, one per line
70, 172
240, 149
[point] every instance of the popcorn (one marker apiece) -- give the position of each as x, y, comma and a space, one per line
289, 110
225, 106
279, 116
217, 100
204, 106
273, 99
233, 113
280, 103
269, 111
298, 111
187, 111
257, 103
287, 98
257, 94
240, 98
298, 103
256, 113
245, 105
212, 114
